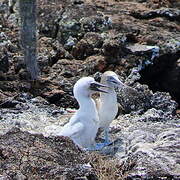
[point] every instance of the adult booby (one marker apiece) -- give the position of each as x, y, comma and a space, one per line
107, 103
83, 125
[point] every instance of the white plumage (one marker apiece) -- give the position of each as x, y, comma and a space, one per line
107, 103
83, 125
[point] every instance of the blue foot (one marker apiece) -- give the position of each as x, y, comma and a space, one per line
99, 146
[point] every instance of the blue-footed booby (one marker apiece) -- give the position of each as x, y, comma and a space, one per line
107, 103
83, 125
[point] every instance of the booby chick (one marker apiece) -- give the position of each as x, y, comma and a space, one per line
83, 125
107, 103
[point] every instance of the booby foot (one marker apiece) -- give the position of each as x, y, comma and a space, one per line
99, 146
92, 149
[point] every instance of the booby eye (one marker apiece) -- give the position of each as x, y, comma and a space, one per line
111, 79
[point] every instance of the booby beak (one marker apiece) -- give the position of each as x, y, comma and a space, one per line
116, 81
95, 86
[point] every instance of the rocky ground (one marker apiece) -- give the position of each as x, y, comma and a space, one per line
140, 41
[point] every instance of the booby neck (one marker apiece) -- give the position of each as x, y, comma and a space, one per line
86, 103
110, 96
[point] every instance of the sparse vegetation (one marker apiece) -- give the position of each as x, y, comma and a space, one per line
107, 168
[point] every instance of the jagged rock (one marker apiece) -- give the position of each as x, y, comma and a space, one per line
95, 39
55, 52
65, 68
159, 4
87, 46
39, 157
48, 19
97, 23
67, 29
3, 97
114, 48
153, 115
157, 155
135, 99
111, 48
3, 7
95, 64
82, 50
139, 98
70, 43
151, 141
71, 25
172, 14
150, 51
54, 95
4, 61
164, 102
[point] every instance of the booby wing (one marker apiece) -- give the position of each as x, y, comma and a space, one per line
72, 130
98, 104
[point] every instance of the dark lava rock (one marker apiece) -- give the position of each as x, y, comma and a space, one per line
88, 45
69, 23
67, 29
9, 104
95, 64
54, 95
4, 61
82, 50
50, 52
139, 99
94, 39
63, 66
27, 156
114, 49
97, 23
170, 13
135, 99
111, 48
164, 102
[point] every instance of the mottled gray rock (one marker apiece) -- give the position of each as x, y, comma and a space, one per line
3, 7
172, 45
133, 77
151, 141
135, 99
158, 156
96, 23
67, 29
163, 101
139, 98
